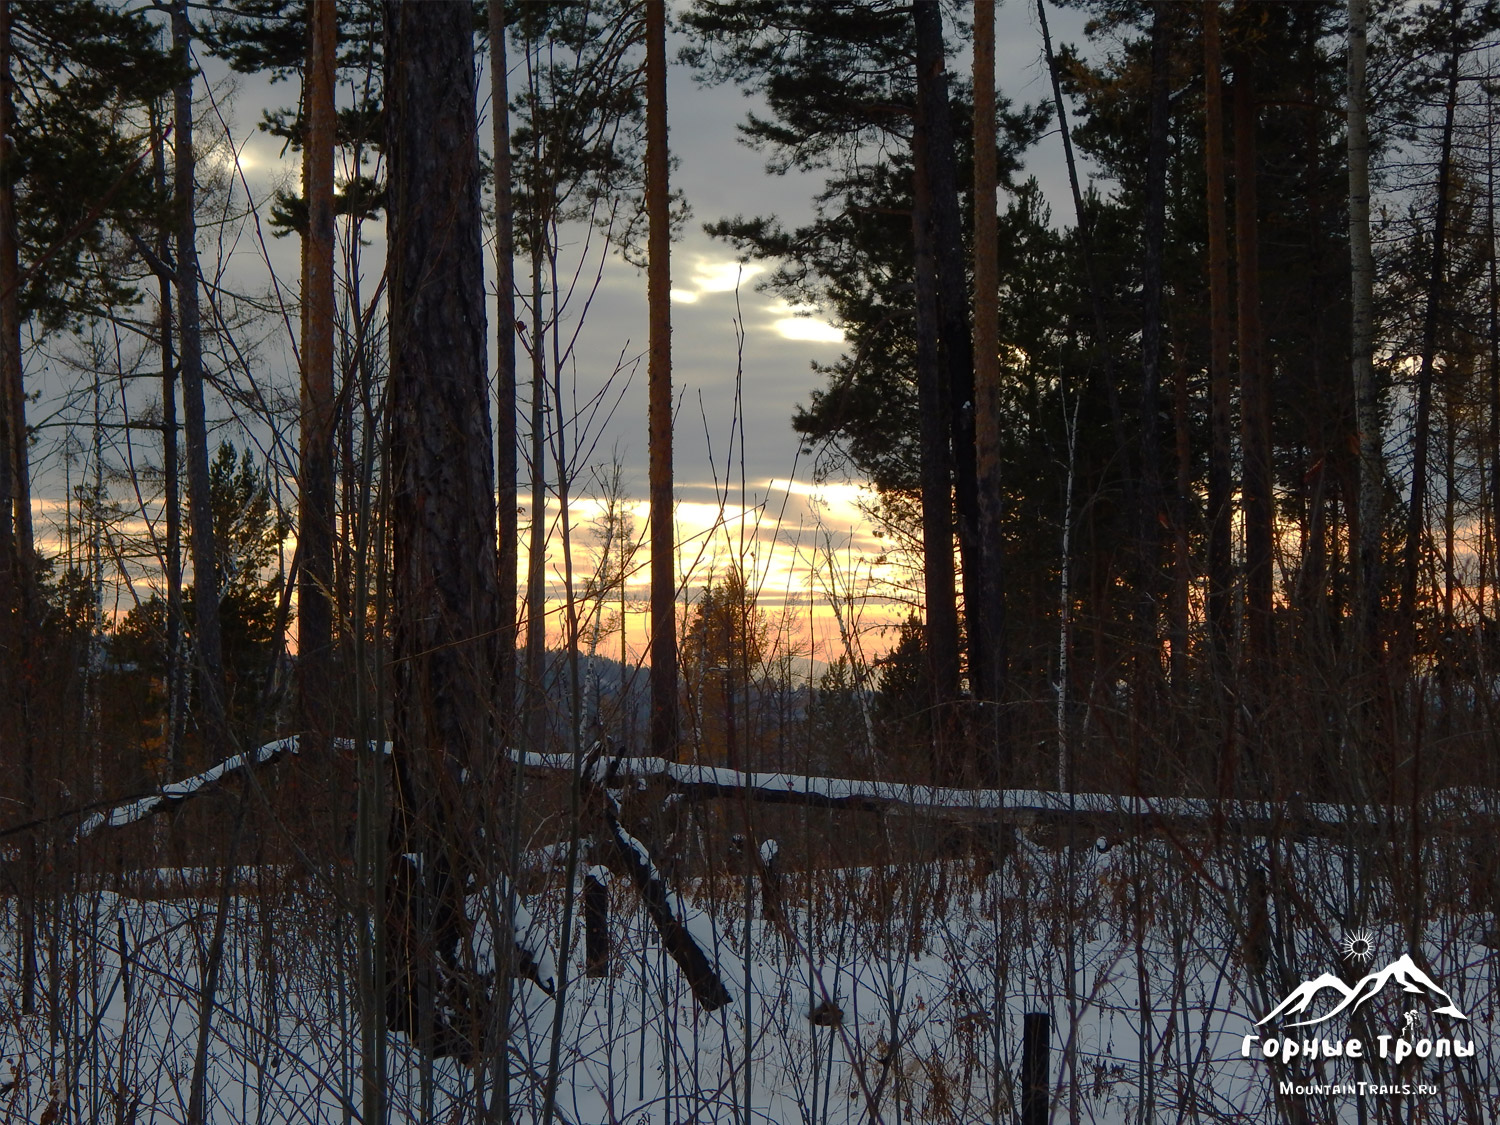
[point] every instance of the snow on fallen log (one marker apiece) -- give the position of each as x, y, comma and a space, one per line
688, 781
169, 796
173, 794
531, 956
673, 921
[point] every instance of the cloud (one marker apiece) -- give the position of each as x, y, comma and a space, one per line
710, 276
808, 329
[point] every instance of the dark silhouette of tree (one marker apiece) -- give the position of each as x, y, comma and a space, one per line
441, 481
664, 722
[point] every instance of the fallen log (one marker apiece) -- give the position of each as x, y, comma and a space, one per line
1465, 809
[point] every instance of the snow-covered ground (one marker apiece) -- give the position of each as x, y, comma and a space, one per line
920, 976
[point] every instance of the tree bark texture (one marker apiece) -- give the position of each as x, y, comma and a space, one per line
659, 374
444, 598
315, 512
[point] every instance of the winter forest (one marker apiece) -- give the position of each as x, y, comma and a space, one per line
775, 562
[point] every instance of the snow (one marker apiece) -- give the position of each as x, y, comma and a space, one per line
933, 970
1022, 805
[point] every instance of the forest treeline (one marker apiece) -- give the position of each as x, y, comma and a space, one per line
1195, 468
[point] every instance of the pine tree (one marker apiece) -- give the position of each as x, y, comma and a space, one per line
442, 494
664, 722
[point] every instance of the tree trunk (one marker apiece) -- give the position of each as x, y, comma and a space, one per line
536, 557
1150, 515
15, 525
206, 641
1182, 557
939, 593
987, 420
983, 604
1220, 502
1255, 421
17, 601
1096, 292
1362, 345
508, 527
1417, 504
1493, 334
505, 371
441, 477
658, 296
315, 512
176, 681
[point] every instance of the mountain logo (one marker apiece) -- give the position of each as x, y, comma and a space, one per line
1402, 971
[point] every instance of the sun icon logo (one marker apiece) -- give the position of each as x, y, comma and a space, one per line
1358, 947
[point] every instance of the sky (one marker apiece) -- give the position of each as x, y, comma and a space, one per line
741, 363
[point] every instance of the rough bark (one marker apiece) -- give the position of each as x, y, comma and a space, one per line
444, 599
207, 642
315, 511
658, 287
1220, 502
